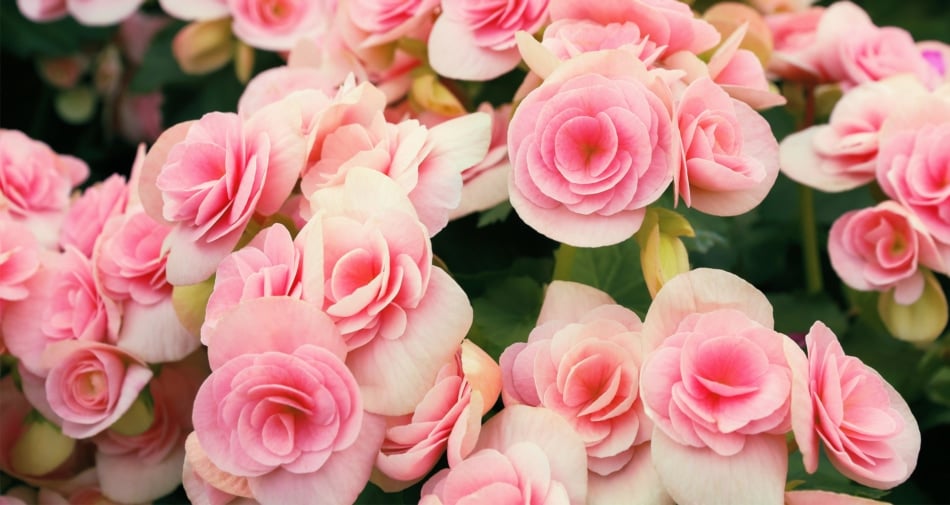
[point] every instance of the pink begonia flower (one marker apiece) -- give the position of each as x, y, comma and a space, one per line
129, 260
582, 361
66, 303
159, 451
883, 247
913, 161
667, 23
566, 38
446, 421
866, 428
282, 409
842, 154
42, 10
367, 262
485, 184
937, 55
276, 25
591, 148
90, 385
19, 260
88, 214
196, 10
210, 177
383, 21
523, 455
730, 155
270, 265
719, 390
476, 42
274, 84
794, 55
778, 6
851, 50
426, 163
35, 184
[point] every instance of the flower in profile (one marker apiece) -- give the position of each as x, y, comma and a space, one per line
866, 428
719, 390
591, 148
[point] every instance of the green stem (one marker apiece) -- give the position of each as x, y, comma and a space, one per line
806, 207
809, 240
564, 263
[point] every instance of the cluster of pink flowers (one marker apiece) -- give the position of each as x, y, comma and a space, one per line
258, 315
889, 129
106, 372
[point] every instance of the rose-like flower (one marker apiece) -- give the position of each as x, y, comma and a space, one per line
913, 164
476, 42
730, 156
212, 176
485, 184
567, 38
268, 266
35, 183
278, 24
78, 309
129, 259
584, 364
719, 390
280, 406
793, 36
883, 247
88, 214
367, 262
90, 385
276, 83
591, 148
669, 24
385, 21
523, 455
867, 429
447, 420
842, 154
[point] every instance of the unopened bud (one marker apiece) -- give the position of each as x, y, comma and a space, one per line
922, 321
138, 419
204, 46
41, 448
482, 372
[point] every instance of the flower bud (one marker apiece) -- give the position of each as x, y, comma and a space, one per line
204, 46
428, 93
76, 105
63, 72
138, 419
922, 321
190, 302
729, 16
662, 253
482, 372
41, 448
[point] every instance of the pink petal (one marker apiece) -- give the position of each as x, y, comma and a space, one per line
127, 479
198, 461
200, 10
102, 13
394, 375
148, 192
282, 123
816, 497
756, 474
192, 260
802, 164
154, 332
454, 53
278, 324
340, 480
569, 301
637, 482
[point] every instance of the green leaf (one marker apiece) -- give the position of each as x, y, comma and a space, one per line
159, 67
938, 390
826, 478
506, 313
29, 39
796, 312
495, 214
373, 495
613, 269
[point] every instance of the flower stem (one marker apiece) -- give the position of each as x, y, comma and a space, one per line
806, 208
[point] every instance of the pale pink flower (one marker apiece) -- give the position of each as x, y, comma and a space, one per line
384, 21
210, 177
913, 162
591, 148
842, 154
426, 163
669, 24
719, 390
582, 361
794, 54
446, 421
866, 428
367, 262
282, 409
192, 10
485, 184
87, 12
90, 385
523, 455
566, 38
88, 213
206, 484
937, 55
776, 6
19, 260
144, 467
35, 184
730, 156
270, 265
42, 10
476, 42
129, 260
272, 85
883, 247
277, 25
